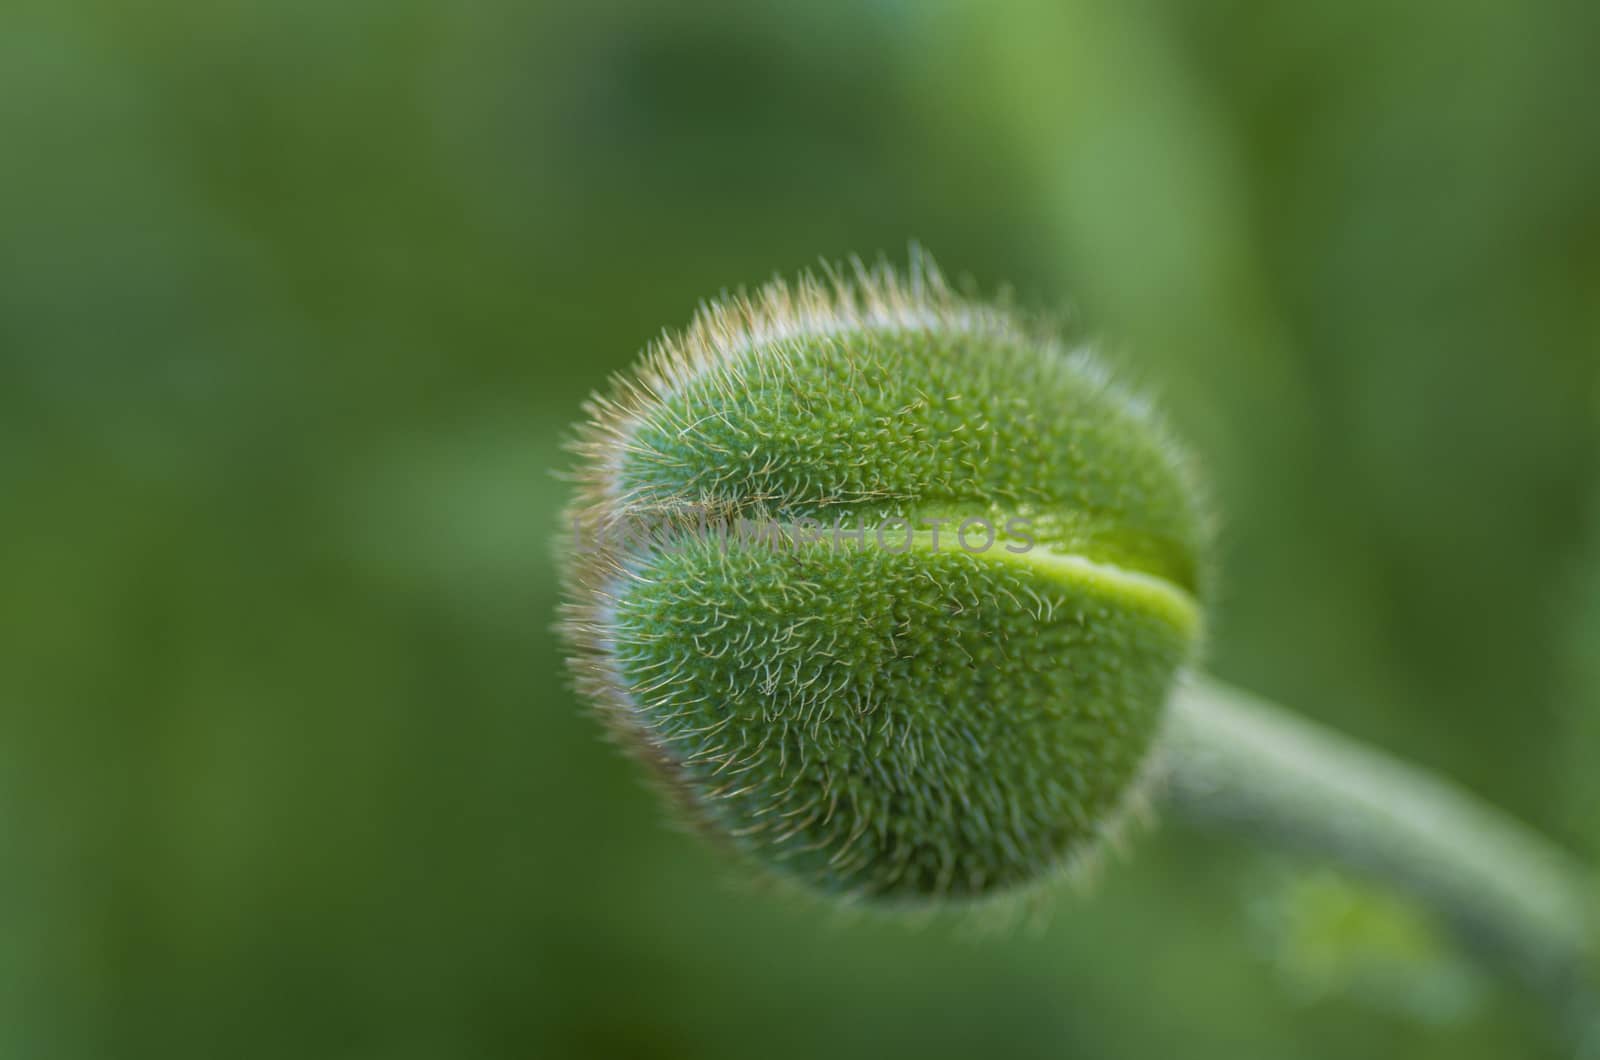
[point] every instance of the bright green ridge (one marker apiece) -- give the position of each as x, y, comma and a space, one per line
1133, 587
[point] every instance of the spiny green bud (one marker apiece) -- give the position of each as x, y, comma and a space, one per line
888, 586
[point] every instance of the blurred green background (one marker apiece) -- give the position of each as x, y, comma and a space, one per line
297, 301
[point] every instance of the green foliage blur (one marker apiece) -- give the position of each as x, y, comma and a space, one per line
297, 302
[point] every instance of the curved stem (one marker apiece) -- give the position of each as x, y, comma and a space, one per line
1236, 762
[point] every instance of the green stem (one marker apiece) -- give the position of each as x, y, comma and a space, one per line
1236, 762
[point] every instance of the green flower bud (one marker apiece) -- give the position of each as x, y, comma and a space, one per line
887, 586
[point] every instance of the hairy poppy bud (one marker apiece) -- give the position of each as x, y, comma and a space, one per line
888, 586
